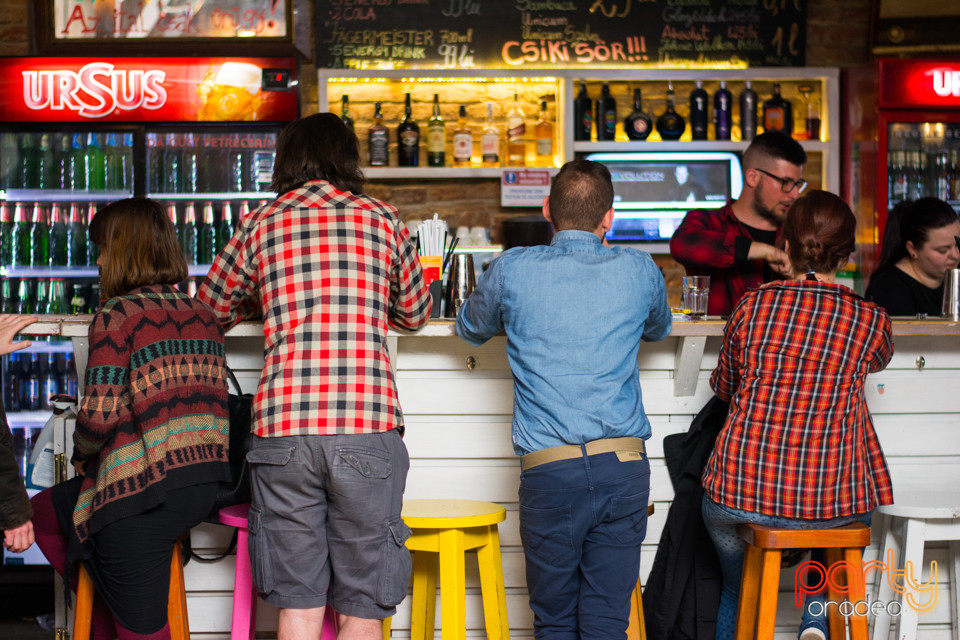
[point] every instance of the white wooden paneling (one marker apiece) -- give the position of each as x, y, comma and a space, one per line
458, 434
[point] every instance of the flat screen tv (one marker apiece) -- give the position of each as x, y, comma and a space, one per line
652, 191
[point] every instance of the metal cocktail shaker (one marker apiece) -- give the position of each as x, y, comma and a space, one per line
460, 282
951, 295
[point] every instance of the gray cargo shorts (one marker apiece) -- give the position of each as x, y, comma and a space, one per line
325, 522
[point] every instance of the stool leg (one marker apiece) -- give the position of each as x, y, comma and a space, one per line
914, 532
244, 620
955, 589
856, 592
423, 603
635, 629
769, 589
177, 598
83, 609
890, 555
492, 587
385, 626
749, 590
453, 585
835, 620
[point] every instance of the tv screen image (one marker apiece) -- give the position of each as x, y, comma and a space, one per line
653, 191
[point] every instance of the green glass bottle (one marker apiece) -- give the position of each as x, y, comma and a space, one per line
47, 174
93, 164
24, 304
6, 235
93, 251
28, 168
40, 237
206, 236
59, 237
113, 164
56, 302
22, 251
78, 237
224, 226
7, 301
76, 176
187, 232
9, 158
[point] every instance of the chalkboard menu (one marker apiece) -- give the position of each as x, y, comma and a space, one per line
544, 34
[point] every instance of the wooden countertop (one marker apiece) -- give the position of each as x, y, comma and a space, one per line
76, 326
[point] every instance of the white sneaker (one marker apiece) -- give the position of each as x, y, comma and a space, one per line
812, 633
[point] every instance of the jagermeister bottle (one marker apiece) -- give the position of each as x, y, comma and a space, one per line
59, 237
408, 138
606, 114
670, 124
582, 115
436, 137
378, 139
638, 124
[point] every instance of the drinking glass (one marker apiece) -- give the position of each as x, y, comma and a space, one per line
696, 290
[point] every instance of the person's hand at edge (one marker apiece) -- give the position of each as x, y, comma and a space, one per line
10, 325
19, 538
778, 259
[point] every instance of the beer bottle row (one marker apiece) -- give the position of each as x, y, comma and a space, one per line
914, 173
31, 379
49, 296
209, 162
46, 235
204, 229
74, 161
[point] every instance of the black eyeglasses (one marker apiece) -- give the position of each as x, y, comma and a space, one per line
786, 184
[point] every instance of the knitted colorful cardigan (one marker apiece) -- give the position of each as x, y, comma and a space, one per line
154, 413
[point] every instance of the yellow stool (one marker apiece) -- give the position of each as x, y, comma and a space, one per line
637, 629
443, 530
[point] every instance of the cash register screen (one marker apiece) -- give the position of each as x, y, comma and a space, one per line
653, 191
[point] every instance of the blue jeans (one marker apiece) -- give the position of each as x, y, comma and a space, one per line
581, 523
721, 523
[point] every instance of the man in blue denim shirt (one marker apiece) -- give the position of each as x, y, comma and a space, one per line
574, 313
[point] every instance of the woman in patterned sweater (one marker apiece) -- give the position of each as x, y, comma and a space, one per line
151, 439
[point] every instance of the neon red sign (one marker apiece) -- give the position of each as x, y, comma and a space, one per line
143, 89
919, 83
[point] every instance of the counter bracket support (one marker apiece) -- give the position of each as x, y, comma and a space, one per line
80, 348
687, 365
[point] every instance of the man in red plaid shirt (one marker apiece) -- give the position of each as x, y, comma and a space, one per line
329, 270
736, 244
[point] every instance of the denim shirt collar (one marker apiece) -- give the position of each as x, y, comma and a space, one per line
572, 235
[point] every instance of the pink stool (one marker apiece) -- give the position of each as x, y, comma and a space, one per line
244, 623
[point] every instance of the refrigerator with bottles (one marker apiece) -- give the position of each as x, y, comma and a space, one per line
196, 134
900, 140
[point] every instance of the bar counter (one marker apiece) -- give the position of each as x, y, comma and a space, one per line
458, 402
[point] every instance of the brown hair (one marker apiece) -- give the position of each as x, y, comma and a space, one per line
581, 194
317, 147
138, 246
821, 230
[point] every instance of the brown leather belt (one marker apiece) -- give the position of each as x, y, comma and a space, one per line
629, 446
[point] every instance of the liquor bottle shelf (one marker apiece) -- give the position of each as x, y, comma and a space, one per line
61, 195
77, 272
682, 145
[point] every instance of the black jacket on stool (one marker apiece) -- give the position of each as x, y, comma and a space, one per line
15, 507
682, 593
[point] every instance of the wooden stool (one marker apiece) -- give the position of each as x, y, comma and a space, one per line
914, 519
760, 584
176, 604
637, 629
443, 530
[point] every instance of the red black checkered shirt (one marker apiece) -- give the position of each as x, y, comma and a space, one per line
799, 441
328, 271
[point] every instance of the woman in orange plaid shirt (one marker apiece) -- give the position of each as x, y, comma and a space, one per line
798, 449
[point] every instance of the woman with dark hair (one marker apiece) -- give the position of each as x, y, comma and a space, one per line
920, 244
798, 449
151, 436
